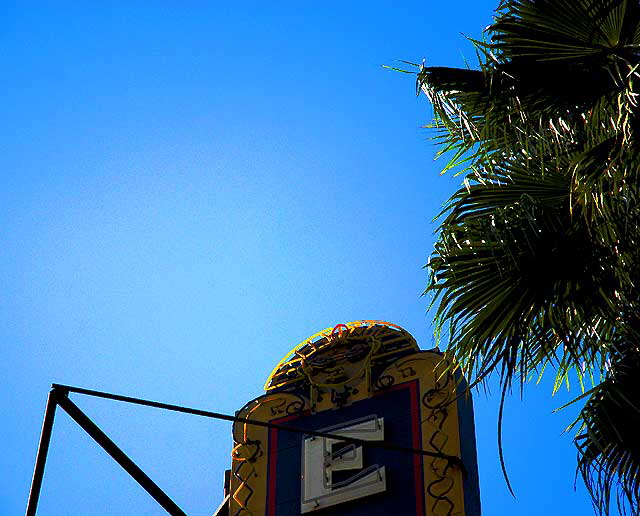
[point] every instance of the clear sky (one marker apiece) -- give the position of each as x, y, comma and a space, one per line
191, 188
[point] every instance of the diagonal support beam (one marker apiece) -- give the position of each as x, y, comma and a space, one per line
119, 456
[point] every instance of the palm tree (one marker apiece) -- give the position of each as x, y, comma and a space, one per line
537, 263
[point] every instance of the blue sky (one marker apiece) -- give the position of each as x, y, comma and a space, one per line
191, 188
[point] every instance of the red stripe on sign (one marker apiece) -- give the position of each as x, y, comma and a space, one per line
273, 458
417, 444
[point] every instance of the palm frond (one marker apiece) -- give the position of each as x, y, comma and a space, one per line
567, 30
608, 446
535, 266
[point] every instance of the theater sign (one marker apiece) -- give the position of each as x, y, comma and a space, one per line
380, 428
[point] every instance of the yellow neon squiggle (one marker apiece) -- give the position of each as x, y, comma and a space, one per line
244, 481
376, 344
327, 333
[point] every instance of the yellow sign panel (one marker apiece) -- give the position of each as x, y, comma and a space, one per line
368, 382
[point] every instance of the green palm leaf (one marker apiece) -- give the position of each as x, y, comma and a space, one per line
608, 437
535, 266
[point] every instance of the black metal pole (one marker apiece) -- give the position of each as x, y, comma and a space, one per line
452, 459
119, 456
43, 449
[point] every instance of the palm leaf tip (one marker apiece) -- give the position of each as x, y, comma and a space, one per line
609, 442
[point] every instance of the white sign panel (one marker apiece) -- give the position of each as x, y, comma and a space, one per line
321, 457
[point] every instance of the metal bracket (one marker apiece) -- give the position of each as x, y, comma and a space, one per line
58, 397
